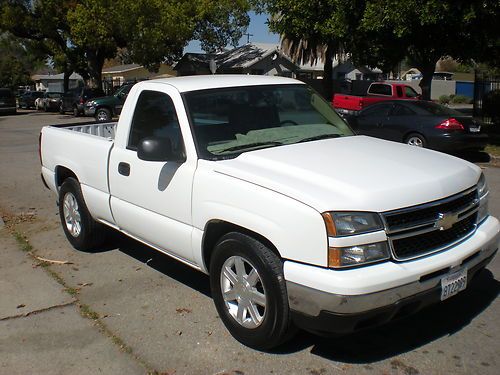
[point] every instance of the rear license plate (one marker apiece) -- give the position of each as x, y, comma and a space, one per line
453, 283
475, 130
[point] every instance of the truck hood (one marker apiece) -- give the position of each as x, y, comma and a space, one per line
355, 173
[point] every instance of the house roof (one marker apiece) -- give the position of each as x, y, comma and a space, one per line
241, 57
55, 77
121, 68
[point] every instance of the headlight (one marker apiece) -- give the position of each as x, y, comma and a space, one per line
483, 193
340, 224
339, 257
90, 104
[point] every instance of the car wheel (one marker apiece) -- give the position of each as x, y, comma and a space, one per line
61, 109
415, 139
81, 230
75, 111
103, 115
249, 291
45, 108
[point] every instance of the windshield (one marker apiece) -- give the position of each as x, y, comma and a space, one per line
437, 109
229, 121
54, 95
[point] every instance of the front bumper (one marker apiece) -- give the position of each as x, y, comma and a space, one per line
349, 300
89, 111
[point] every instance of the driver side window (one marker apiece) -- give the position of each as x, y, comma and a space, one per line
155, 116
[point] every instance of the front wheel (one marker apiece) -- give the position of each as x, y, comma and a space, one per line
81, 230
103, 115
249, 291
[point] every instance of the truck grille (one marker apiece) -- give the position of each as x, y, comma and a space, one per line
428, 228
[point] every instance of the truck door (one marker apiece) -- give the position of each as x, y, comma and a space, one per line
151, 200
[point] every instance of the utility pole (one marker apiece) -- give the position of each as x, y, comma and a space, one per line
248, 35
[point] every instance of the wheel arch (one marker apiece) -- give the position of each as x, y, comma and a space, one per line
62, 173
216, 228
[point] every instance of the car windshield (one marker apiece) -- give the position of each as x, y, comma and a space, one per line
229, 121
54, 95
437, 109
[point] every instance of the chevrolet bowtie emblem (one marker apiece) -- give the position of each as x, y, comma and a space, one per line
446, 220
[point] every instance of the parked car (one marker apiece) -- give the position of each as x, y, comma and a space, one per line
420, 123
27, 100
51, 101
74, 100
256, 181
377, 92
105, 108
7, 101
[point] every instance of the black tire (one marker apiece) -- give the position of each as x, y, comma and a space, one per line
275, 325
76, 113
91, 234
416, 139
61, 109
45, 108
102, 115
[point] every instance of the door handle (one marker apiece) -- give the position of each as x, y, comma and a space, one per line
124, 169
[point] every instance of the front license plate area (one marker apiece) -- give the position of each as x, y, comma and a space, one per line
453, 283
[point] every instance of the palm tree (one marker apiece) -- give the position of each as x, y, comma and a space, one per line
303, 50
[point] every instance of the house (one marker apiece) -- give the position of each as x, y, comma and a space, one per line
55, 82
251, 58
348, 71
115, 76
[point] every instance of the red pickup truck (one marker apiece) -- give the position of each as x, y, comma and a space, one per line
377, 91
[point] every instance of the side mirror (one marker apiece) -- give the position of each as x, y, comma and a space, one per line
158, 149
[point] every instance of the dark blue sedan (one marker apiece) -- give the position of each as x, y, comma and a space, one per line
420, 123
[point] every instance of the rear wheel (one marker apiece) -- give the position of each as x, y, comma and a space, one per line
103, 115
249, 291
76, 113
61, 109
81, 230
415, 139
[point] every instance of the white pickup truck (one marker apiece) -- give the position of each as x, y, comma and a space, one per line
256, 181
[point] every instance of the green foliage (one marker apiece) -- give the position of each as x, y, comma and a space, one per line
460, 99
152, 31
444, 99
382, 32
18, 60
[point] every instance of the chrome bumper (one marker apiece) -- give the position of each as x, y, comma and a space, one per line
312, 302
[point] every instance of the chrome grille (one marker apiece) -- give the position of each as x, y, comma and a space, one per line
424, 229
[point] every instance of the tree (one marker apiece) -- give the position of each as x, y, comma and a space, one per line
152, 31
383, 32
44, 22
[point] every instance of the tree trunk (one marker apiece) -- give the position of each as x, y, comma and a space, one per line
427, 71
67, 74
96, 62
328, 74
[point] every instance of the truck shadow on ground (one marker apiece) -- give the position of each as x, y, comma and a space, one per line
160, 262
395, 338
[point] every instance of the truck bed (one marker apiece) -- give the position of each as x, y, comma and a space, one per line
105, 130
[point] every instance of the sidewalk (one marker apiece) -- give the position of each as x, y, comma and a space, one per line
41, 329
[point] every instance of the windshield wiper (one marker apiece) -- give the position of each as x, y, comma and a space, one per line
318, 137
251, 145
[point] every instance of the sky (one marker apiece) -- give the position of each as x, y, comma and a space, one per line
257, 27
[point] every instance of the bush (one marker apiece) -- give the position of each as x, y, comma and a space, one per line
460, 99
444, 99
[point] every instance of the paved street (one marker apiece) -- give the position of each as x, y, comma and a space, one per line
130, 310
